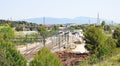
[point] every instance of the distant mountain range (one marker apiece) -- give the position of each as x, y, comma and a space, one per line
77, 20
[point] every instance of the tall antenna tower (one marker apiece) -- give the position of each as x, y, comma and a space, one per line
98, 19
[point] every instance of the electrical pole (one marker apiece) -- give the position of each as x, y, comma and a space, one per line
44, 21
44, 35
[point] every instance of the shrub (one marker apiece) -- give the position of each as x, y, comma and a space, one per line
83, 63
45, 58
93, 59
6, 32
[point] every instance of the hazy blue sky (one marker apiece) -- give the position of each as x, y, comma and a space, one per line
22, 9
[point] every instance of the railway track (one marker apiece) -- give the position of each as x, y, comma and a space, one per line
55, 45
30, 52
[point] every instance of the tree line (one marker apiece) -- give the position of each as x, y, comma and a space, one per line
20, 25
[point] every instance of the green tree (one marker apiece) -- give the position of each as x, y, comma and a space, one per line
45, 58
19, 28
107, 28
99, 45
106, 48
43, 33
116, 34
9, 56
103, 24
94, 36
118, 42
6, 32
61, 25
55, 28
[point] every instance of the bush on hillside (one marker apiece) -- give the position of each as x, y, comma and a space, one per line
45, 58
